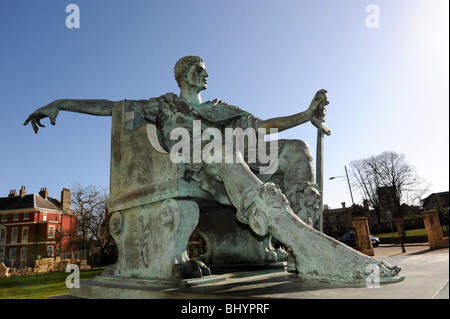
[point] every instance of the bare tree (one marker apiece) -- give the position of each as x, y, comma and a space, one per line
89, 206
99, 224
367, 182
388, 170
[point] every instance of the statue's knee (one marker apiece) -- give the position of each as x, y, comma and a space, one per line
297, 145
296, 151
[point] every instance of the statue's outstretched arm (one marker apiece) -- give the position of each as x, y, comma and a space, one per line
287, 122
92, 107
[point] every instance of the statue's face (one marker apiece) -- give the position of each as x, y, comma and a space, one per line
196, 76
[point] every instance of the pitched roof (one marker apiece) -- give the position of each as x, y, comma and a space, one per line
28, 201
434, 195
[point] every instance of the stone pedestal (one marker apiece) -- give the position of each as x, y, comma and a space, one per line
152, 240
362, 234
232, 243
434, 230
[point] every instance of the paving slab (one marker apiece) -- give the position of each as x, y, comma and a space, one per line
426, 277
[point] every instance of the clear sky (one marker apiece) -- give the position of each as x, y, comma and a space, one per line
388, 87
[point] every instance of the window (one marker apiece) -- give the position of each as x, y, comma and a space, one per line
50, 251
12, 257
16, 216
25, 235
2, 235
4, 217
45, 216
26, 215
14, 235
23, 253
51, 232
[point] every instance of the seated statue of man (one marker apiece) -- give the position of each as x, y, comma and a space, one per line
294, 169
283, 202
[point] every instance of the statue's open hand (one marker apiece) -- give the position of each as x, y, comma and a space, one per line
51, 111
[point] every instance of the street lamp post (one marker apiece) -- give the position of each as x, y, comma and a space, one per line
389, 217
348, 181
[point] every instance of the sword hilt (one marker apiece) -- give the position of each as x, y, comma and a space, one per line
319, 119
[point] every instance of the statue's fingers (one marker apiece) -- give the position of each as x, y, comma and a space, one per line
39, 123
35, 128
28, 120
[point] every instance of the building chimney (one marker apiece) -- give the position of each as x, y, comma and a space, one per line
12, 193
43, 192
66, 198
23, 192
343, 204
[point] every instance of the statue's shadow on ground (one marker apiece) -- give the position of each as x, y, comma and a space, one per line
256, 284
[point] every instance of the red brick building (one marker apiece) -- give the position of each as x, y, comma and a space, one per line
436, 201
35, 225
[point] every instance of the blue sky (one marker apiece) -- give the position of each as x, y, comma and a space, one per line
387, 86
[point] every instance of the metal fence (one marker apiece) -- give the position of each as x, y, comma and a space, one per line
444, 221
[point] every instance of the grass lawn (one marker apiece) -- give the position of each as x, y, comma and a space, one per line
40, 286
412, 232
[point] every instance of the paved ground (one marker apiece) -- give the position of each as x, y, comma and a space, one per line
426, 272
389, 250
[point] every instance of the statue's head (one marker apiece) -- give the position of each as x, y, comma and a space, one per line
191, 70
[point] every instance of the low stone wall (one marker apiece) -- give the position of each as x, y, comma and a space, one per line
44, 266
408, 240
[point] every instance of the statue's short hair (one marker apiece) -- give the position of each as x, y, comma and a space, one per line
183, 65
